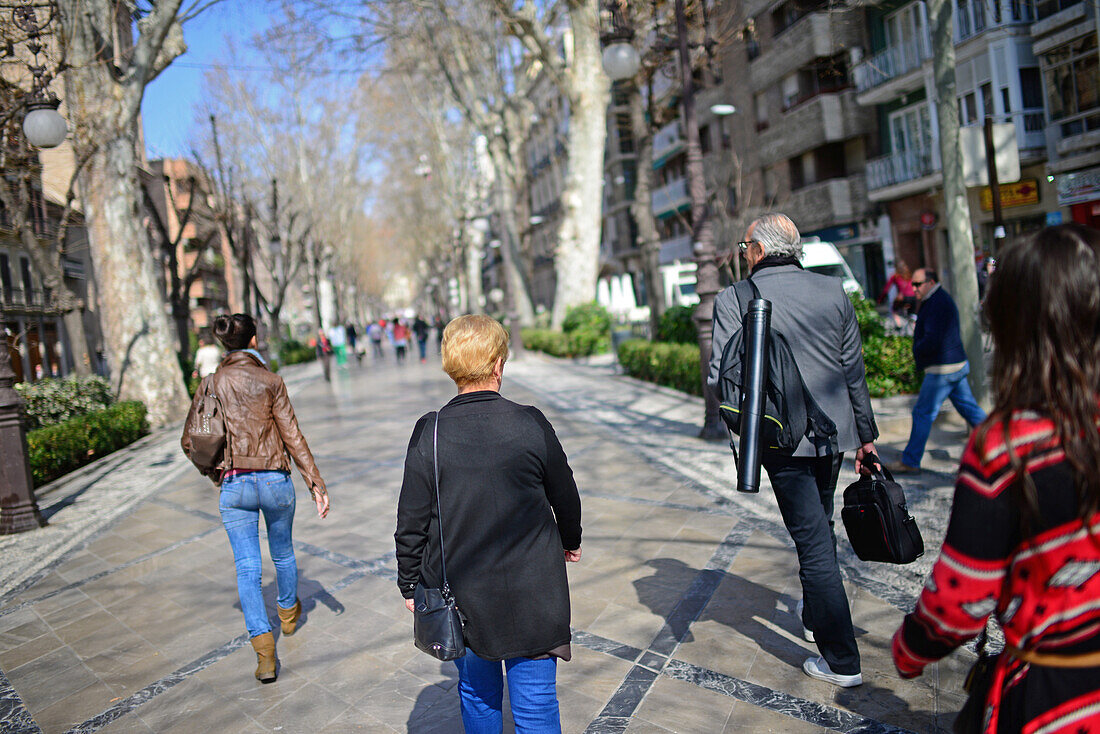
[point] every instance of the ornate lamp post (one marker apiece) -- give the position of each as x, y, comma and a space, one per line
43, 126
706, 272
18, 507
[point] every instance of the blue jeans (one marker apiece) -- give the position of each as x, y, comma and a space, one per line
933, 391
532, 692
243, 497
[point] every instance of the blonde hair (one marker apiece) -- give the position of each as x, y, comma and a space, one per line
472, 344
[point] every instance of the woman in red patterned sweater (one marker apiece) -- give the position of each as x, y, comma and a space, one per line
1023, 540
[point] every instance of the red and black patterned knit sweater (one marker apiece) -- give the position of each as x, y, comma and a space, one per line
1043, 585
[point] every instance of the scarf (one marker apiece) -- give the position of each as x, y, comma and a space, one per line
774, 261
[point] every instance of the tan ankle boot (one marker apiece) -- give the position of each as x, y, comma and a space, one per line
264, 645
289, 617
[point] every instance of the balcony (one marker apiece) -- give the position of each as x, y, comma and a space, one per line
27, 300
826, 118
901, 174
893, 71
668, 141
813, 36
828, 203
670, 198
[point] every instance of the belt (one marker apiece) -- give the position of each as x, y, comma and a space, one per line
1084, 660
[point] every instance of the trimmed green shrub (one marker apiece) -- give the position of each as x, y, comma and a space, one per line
59, 449
554, 343
295, 352
870, 323
591, 316
585, 331
889, 364
672, 365
50, 401
677, 326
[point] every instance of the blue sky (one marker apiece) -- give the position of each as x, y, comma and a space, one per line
173, 100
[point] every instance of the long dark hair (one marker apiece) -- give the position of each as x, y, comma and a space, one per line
1043, 307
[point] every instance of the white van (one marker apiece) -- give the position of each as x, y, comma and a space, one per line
824, 258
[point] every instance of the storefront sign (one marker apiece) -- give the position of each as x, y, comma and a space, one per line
1021, 193
928, 220
1079, 186
1054, 218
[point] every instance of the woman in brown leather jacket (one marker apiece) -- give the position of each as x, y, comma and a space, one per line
255, 477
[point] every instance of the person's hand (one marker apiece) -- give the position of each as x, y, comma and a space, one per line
572, 556
867, 451
320, 496
410, 604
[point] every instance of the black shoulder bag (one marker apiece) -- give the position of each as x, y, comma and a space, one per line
437, 622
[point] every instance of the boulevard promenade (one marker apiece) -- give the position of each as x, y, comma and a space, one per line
122, 614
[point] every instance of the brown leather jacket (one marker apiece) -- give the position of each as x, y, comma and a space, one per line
260, 423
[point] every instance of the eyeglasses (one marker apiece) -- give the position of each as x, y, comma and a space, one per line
745, 245
918, 283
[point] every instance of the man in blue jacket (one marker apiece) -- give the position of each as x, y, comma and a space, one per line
938, 350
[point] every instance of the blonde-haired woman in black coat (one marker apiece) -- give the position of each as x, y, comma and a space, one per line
511, 519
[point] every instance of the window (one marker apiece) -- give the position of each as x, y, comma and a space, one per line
704, 140
724, 131
5, 275
968, 109
987, 100
905, 30
760, 105
1021, 10
1032, 88
1006, 101
1071, 84
797, 173
752, 46
911, 130
790, 91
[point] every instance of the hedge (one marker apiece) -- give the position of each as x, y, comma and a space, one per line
59, 449
586, 330
52, 401
295, 352
677, 325
672, 365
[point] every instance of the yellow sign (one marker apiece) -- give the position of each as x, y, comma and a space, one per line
1021, 193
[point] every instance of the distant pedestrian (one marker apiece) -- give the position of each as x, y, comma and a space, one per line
324, 353
339, 338
437, 324
900, 295
420, 330
262, 436
207, 358
1021, 539
375, 333
819, 322
511, 520
353, 338
938, 350
400, 340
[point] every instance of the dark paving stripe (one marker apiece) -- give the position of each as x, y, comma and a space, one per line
168, 682
641, 677
108, 572
817, 714
209, 516
604, 645
14, 717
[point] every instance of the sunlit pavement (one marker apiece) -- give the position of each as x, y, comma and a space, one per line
122, 615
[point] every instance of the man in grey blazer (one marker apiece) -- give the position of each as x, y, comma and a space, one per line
814, 314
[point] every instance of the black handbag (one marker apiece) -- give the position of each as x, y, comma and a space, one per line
978, 683
877, 519
437, 621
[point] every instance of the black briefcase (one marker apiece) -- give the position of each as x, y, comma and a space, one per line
877, 519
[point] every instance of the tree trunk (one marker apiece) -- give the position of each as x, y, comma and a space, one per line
135, 324
474, 291
78, 341
577, 258
641, 208
960, 240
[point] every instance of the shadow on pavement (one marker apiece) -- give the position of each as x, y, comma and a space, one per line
437, 709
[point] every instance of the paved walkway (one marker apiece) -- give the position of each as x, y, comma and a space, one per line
122, 615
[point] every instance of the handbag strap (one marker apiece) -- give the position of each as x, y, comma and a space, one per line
438, 506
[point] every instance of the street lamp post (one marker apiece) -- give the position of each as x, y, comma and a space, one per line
18, 507
43, 126
706, 267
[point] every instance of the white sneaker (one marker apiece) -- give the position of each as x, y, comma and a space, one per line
819, 668
807, 633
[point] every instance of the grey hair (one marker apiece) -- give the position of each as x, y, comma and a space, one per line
778, 234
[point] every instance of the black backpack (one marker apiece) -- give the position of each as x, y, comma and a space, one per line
790, 412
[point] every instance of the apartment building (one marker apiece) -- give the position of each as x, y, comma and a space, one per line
539, 214
997, 76
1064, 40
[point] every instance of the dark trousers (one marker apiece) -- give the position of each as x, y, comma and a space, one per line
804, 489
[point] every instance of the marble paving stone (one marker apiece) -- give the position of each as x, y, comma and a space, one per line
357, 721
628, 625
50, 678
21, 654
25, 632
100, 621
74, 709
129, 724
685, 708
748, 718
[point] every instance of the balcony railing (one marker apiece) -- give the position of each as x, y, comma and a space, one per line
24, 298
897, 168
670, 197
892, 62
676, 248
667, 141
